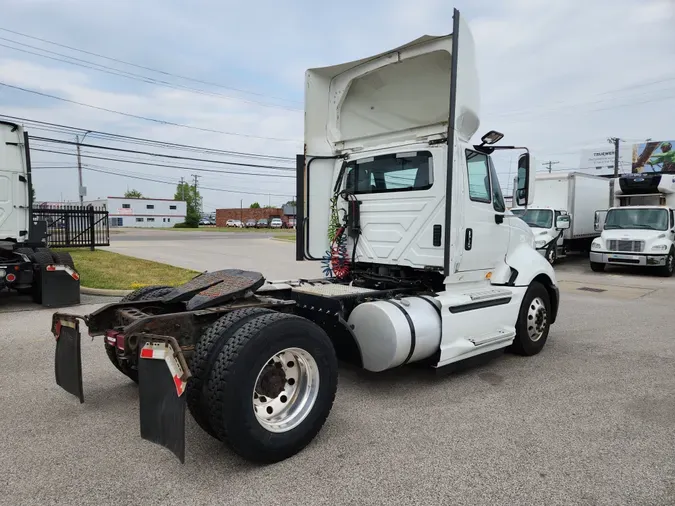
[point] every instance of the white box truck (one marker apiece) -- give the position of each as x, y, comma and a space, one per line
639, 229
562, 216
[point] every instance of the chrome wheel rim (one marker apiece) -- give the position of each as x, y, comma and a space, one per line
551, 256
285, 390
536, 319
671, 262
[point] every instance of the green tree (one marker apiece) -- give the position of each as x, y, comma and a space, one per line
190, 195
290, 203
255, 205
133, 194
32, 195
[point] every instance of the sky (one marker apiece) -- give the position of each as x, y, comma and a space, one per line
556, 76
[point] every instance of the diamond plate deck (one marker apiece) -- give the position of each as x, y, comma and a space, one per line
213, 288
331, 290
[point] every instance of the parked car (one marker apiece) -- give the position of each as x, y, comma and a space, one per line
251, 223
276, 223
262, 223
205, 221
233, 223
290, 223
238, 224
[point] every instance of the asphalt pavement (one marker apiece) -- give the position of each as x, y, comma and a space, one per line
212, 251
590, 420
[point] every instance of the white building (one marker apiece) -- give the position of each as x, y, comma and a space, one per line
144, 212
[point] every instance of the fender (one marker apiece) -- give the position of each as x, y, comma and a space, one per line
527, 265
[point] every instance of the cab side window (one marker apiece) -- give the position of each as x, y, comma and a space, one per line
479, 176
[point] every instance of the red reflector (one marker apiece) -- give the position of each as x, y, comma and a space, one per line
16, 267
120, 341
146, 353
11, 278
51, 268
75, 276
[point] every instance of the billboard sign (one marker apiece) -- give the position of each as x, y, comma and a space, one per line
600, 161
658, 156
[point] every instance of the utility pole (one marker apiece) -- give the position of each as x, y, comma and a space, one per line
550, 163
79, 171
198, 204
615, 141
81, 190
241, 211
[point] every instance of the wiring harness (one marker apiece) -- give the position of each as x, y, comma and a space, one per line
336, 262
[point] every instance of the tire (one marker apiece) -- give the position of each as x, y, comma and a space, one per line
64, 259
667, 270
552, 255
536, 304
47, 251
42, 258
597, 267
233, 382
145, 293
207, 349
24, 251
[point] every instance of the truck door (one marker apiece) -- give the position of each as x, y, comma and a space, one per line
486, 229
401, 199
14, 198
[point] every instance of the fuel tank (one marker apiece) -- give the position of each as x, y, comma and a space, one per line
394, 332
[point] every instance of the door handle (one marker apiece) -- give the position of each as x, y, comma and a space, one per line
499, 218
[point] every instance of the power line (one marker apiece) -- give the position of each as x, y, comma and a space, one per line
142, 178
129, 75
174, 157
143, 67
141, 140
144, 118
161, 164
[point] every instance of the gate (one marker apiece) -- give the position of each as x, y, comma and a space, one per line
74, 226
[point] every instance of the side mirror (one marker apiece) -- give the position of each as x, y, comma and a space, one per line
599, 222
562, 222
524, 187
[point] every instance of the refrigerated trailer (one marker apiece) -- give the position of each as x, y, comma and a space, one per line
424, 264
562, 216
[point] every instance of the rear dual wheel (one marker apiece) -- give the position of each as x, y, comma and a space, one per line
267, 385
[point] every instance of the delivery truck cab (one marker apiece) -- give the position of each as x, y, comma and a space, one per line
639, 230
548, 226
562, 216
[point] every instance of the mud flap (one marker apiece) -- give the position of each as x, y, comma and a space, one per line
68, 359
162, 377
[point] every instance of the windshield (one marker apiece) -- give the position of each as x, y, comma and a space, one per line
648, 219
536, 218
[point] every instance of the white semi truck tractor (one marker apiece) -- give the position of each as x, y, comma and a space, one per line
562, 216
27, 265
423, 264
639, 229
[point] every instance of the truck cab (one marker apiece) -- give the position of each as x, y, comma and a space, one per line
548, 226
639, 230
391, 188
